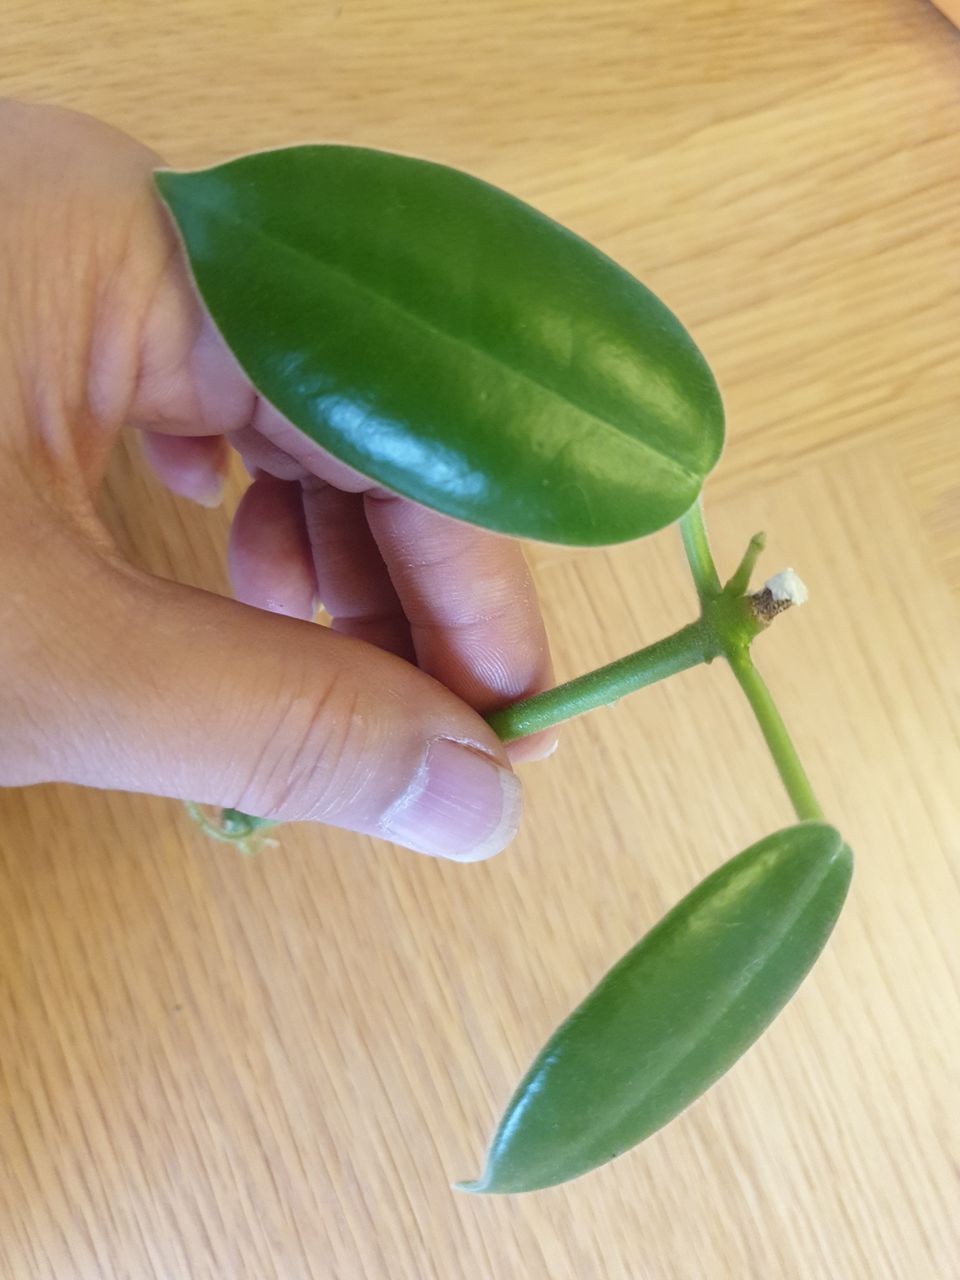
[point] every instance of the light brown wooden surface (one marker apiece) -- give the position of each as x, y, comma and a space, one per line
212, 1067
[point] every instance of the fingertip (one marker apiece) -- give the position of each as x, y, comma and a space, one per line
269, 553
463, 805
210, 495
193, 467
470, 600
538, 746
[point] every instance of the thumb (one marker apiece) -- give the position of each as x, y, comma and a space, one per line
178, 692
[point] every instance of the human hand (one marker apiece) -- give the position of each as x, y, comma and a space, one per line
114, 678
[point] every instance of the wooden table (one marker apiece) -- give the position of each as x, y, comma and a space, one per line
212, 1067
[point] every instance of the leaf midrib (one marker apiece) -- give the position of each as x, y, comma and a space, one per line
737, 991
388, 301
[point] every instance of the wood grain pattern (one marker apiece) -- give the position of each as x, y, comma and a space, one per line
214, 1067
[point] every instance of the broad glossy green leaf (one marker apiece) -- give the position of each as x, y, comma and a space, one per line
675, 1013
451, 342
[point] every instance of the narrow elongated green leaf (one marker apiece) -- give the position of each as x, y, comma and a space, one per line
675, 1013
450, 342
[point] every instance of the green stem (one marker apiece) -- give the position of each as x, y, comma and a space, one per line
697, 546
735, 645
792, 773
691, 645
740, 581
727, 624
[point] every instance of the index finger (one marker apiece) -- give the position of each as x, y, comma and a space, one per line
472, 607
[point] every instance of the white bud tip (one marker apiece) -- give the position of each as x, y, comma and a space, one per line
787, 585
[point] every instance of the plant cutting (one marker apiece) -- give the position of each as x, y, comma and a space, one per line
467, 352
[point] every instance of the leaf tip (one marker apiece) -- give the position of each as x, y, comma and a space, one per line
474, 1186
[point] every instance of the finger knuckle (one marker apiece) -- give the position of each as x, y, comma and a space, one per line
303, 767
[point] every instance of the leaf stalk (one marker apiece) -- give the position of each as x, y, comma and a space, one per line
729, 621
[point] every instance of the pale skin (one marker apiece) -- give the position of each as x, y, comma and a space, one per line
113, 678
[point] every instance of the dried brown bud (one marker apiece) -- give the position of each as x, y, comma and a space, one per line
778, 593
